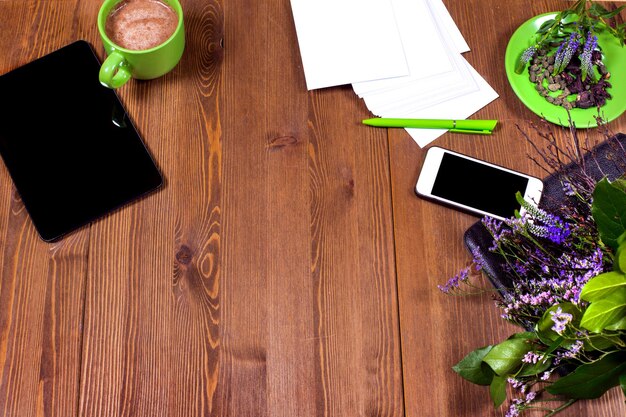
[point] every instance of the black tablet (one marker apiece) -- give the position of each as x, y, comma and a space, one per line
68, 143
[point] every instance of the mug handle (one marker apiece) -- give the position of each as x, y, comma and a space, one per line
114, 72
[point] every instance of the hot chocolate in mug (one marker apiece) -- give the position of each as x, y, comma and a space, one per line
144, 39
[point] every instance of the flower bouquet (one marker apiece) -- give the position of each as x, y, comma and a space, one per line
559, 272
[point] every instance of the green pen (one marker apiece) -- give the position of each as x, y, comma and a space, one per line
476, 127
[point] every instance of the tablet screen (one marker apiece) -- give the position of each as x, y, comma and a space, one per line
68, 144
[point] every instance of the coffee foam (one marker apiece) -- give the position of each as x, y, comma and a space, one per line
141, 24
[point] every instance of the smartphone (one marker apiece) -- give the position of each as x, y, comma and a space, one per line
474, 185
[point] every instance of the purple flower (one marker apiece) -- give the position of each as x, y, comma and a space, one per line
546, 375
558, 56
532, 357
496, 229
455, 281
560, 319
515, 383
558, 232
565, 53
478, 259
573, 350
568, 188
570, 353
525, 58
586, 57
520, 268
543, 224
513, 411
528, 54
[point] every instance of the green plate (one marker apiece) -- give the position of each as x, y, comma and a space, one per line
615, 61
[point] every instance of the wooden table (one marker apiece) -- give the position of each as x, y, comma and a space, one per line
286, 268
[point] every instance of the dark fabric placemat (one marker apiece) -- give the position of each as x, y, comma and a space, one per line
599, 161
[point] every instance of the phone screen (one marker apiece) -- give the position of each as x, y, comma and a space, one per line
477, 185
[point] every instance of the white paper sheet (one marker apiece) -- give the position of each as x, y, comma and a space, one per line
408, 94
459, 108
445, 21
425, 50
424, 92
348, 41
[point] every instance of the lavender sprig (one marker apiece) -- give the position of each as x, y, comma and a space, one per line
525, 58
565, 53
586, 57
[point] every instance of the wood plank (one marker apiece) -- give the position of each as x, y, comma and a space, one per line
307, 252
152, 304
353, 261
438, 330
41, 284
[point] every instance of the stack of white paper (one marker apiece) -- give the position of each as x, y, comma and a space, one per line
403, 57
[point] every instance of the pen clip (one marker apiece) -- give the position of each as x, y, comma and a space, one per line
470, 131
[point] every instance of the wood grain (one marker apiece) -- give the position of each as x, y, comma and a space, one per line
152, 312
307, 243
285, 269
42, 286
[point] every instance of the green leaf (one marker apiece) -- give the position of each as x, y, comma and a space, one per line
545, 26
593, 379
622, 382
614, 13
497, 389
598, 10
604, 313
600, 342
506, 356
579, 8
619, 325
609, 210
472, 367
524, 335
620, 254
603, 285
555, 345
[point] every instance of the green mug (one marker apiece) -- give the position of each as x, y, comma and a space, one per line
123, 64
